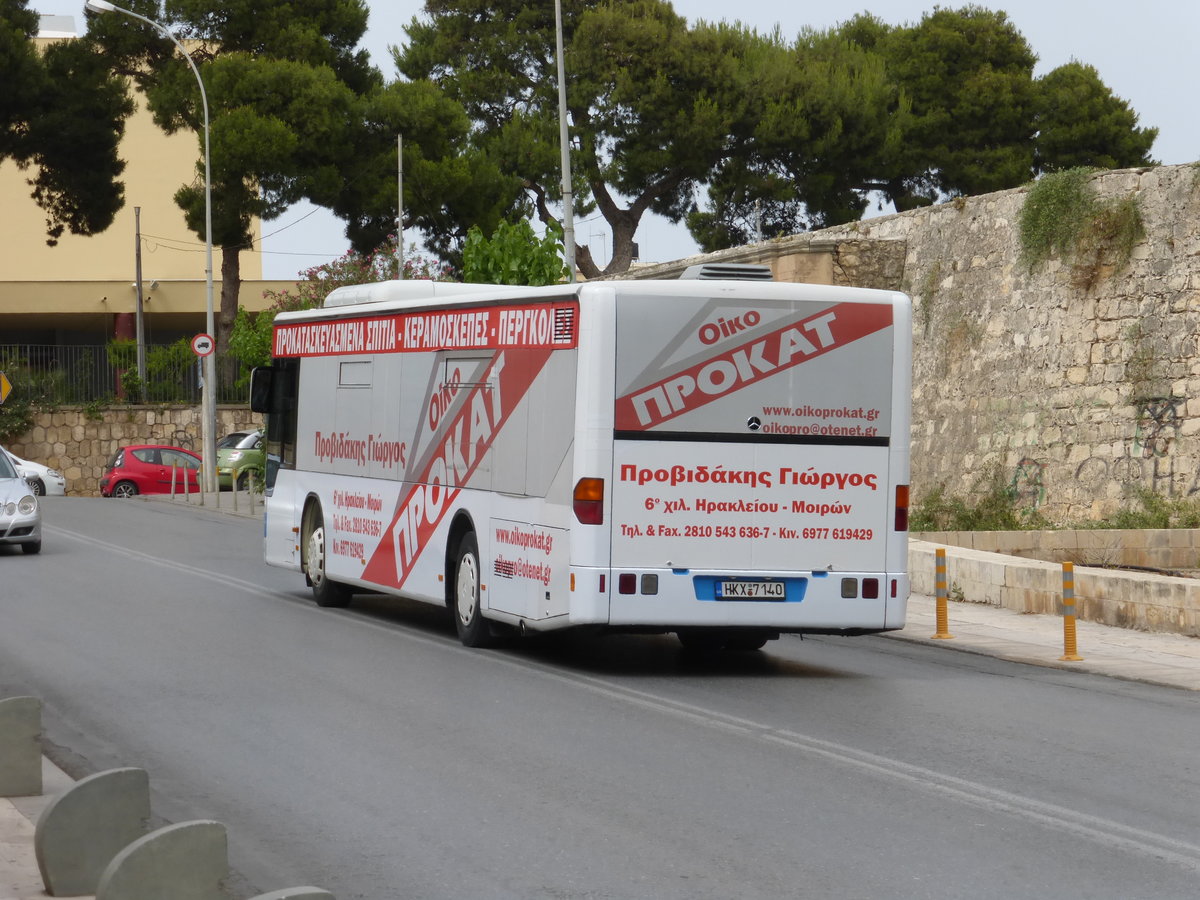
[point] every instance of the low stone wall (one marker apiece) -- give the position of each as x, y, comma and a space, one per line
79, 441
1139, 600
1169, 550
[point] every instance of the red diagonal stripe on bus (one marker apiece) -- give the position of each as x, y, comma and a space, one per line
734, 368
463, 445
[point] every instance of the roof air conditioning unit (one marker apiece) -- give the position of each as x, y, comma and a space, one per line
728, 272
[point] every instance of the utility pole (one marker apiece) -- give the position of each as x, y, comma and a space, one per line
400, 206
137, 284
564, 140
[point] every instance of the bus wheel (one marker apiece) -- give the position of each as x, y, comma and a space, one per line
702, 640
750, 641
326, 592
473, 629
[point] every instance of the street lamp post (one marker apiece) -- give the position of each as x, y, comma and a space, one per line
564, 141
208, 406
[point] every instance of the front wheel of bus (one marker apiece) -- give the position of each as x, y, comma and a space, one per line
327, 593
473, 629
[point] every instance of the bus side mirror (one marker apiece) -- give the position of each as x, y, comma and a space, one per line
261, 378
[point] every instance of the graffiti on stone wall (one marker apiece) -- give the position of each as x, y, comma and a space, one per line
1157, 473
1148, 460
1157, 427
1027, 486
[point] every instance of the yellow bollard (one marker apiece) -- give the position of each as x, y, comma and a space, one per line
1070, 649
943, 623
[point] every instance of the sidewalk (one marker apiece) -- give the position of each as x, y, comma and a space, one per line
1164, 659
1172, 660
19, 875
239, 503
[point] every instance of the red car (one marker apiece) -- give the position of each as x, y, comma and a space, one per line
150, 469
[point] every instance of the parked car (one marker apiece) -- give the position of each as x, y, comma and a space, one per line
150, 469
240, 456
44, 480
20, 512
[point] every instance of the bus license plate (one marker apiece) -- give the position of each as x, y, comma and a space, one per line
752, 590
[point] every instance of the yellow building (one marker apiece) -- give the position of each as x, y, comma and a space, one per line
84, 290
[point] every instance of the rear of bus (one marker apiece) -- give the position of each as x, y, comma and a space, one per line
759, 480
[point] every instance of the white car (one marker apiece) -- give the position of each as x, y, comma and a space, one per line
44, 480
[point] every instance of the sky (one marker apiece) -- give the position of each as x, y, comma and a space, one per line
1146, 53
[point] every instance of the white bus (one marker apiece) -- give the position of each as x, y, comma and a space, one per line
725, 458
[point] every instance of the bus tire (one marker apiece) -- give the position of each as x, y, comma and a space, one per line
702, 641
749, 641
326, 593
473, 629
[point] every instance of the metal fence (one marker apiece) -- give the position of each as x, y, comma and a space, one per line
50, 374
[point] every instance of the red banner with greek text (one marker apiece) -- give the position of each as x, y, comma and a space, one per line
528, 326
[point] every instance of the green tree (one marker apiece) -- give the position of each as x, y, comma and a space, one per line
820, 120
62, 114
651, 102
514, 255
448, 183
968, 74
1082, 123
282, 83
945, 107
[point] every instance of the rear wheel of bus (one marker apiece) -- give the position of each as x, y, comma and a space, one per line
326, 592
473, 629
713, 640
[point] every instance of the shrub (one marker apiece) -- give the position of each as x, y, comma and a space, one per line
514, 255
1054, 213
1062, 216
1152, 510
994, 508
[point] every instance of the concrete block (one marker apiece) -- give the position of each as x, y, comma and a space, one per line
1182, 558
1183, 538
989, 541
1157, 539
187, 861
82, 829
296, 893
20, 747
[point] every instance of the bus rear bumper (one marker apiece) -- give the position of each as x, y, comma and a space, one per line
815, 602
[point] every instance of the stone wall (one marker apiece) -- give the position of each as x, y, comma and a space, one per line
1168, 551
1076, 392
79, 442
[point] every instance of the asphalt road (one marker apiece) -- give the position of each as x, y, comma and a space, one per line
367, 752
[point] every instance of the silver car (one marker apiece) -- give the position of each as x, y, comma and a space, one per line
20, 512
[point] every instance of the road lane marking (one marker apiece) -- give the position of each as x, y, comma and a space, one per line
1105, 832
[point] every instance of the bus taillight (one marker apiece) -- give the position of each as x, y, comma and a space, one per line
588, 501
902, 507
